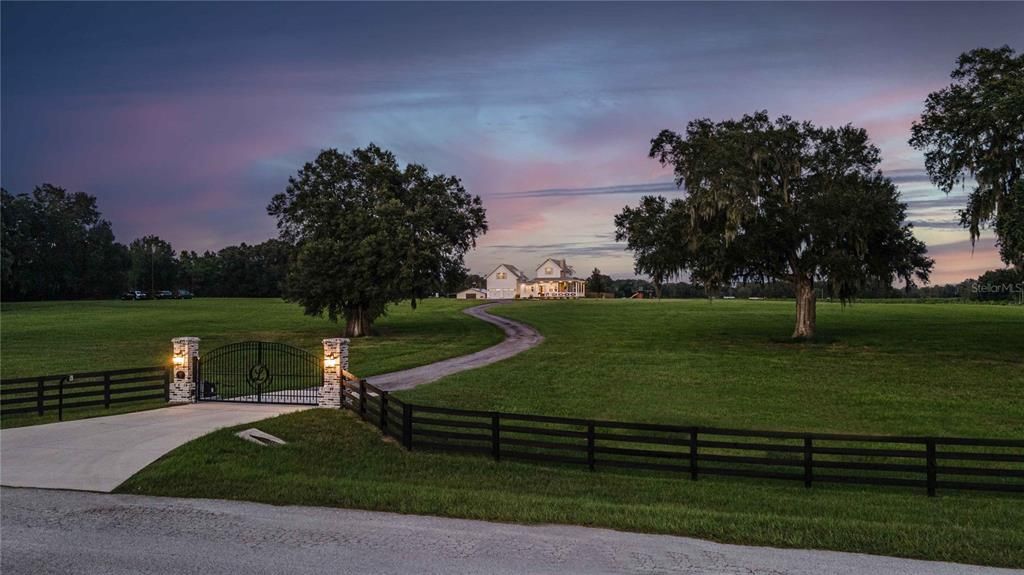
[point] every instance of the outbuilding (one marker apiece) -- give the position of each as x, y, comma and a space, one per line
472, 293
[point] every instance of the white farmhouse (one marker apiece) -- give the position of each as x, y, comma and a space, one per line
553, 279
503, 282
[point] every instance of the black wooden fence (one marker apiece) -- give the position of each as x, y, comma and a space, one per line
48, 393
928, 463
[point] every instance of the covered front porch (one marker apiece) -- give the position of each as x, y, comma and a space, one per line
570, 288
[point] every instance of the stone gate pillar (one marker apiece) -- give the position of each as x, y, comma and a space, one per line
183, 386
335, 361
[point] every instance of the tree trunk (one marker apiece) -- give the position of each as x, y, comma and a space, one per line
806, 302
357, 322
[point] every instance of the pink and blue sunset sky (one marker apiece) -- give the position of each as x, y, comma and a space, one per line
185, 118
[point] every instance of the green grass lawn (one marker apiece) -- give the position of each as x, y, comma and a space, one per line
66, 337
336, 460
942, 369
894, 368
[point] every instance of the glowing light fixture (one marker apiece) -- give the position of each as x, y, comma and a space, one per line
330, 362
178, 360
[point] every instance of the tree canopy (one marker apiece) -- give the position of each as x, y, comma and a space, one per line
780, 200
649, 230
56, 245
368, 233
974, 128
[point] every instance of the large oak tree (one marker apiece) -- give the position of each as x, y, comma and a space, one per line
974, 128
368, 233
789, 201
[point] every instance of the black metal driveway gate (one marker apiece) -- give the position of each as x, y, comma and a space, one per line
259, 372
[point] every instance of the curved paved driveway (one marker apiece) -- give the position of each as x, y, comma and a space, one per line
519, 337
100, 453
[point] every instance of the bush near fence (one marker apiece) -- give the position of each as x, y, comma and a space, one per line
926, 463
46, 394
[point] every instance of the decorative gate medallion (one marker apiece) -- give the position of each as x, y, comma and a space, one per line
259, 372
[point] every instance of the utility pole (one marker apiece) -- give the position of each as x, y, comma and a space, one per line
152, 270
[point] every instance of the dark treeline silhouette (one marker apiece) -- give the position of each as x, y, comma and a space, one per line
56, 245
994, 285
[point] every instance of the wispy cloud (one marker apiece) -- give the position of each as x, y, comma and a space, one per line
577, 249
624, 189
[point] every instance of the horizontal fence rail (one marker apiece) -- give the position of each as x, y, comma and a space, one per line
48, 393
926, 463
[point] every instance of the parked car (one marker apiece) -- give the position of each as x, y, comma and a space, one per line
183, 294
134, 295
165, 294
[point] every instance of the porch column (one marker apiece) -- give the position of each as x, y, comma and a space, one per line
185, 353
335, 361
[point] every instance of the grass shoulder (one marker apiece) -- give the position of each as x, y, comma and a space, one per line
333, 459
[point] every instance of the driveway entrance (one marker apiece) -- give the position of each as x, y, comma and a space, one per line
100, 453
259, 372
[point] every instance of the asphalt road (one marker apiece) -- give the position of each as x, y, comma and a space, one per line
70, 532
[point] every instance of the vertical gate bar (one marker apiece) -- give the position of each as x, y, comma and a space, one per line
40, 395
167, 384
591, 436
407, 425
106, 391
259, 358
808, 461
693, 453
383, 411
362, 398
930, 465
496, 436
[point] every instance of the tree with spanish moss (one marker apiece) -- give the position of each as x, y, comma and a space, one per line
788, 201
974, 129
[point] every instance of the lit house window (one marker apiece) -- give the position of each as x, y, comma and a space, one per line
502, 275
548, 270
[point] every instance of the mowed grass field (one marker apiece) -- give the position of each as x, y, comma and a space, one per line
916, 369
878, 368
53, 338
66, 337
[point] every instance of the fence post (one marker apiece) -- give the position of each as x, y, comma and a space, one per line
693, 453
930, 466
41, 395
383, 424
106, 391
808, 461
167, 384
407, 426
590, 445
496, 436
60, 399
362, 398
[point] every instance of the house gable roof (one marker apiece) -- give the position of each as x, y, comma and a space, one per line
515, 271
560, 263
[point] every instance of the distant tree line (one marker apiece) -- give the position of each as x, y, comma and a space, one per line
993, 286
56, 245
